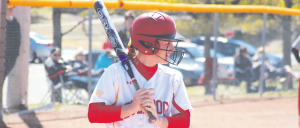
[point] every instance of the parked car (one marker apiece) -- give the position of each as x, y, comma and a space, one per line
192, 64
40, 47
229, 47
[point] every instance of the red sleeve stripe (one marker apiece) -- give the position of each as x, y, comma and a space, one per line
299, 99
180, 120
56, 74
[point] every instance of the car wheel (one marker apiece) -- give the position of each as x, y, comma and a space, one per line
32, 56
187, 82
40, 60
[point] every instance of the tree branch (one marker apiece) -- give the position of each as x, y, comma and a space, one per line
80, 22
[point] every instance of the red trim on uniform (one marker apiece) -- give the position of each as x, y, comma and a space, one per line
180, 120
145, 71
56, 74
299, 99
101, 113
299, 102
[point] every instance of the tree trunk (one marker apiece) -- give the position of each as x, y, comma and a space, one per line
207, 42
207, 46
57, 35
2, 48
287, 35
17, 79
24, 16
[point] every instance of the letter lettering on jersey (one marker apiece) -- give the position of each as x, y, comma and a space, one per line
133, 113
165, 107
99, 93
127, 103
129, 115
140, 112
129, 82
159, 107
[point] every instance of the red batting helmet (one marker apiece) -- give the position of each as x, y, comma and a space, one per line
148, 28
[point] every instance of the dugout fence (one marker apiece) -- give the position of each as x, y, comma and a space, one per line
251, 26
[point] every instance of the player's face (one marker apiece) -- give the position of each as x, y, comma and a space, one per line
165, 54
80, 57
56, 56
245, 54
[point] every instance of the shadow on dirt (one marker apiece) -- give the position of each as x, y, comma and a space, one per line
31, 120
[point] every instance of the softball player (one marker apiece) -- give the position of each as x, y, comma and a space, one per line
116, 102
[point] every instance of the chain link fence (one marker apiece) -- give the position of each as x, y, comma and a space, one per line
68, 29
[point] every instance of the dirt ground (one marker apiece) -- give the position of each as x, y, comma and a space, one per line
239, 113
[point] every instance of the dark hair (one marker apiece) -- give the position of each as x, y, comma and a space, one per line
131, 52
129, 14
55, 50
243, 50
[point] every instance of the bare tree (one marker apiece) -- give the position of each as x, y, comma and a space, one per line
207, 42
207, 45
17, 77
287, 34
57, 35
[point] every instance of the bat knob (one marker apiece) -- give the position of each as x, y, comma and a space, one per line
133, 80
152, 120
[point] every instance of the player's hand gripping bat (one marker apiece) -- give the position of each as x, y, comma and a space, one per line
117, 44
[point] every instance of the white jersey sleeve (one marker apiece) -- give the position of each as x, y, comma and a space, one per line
106, 90
181, 100
296, 44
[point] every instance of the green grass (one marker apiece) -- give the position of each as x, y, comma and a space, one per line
197, 93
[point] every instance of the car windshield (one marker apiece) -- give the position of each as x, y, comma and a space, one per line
195, 52
199, 52
40, 37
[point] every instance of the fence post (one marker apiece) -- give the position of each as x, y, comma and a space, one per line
90, 54
261, 79
215, 56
